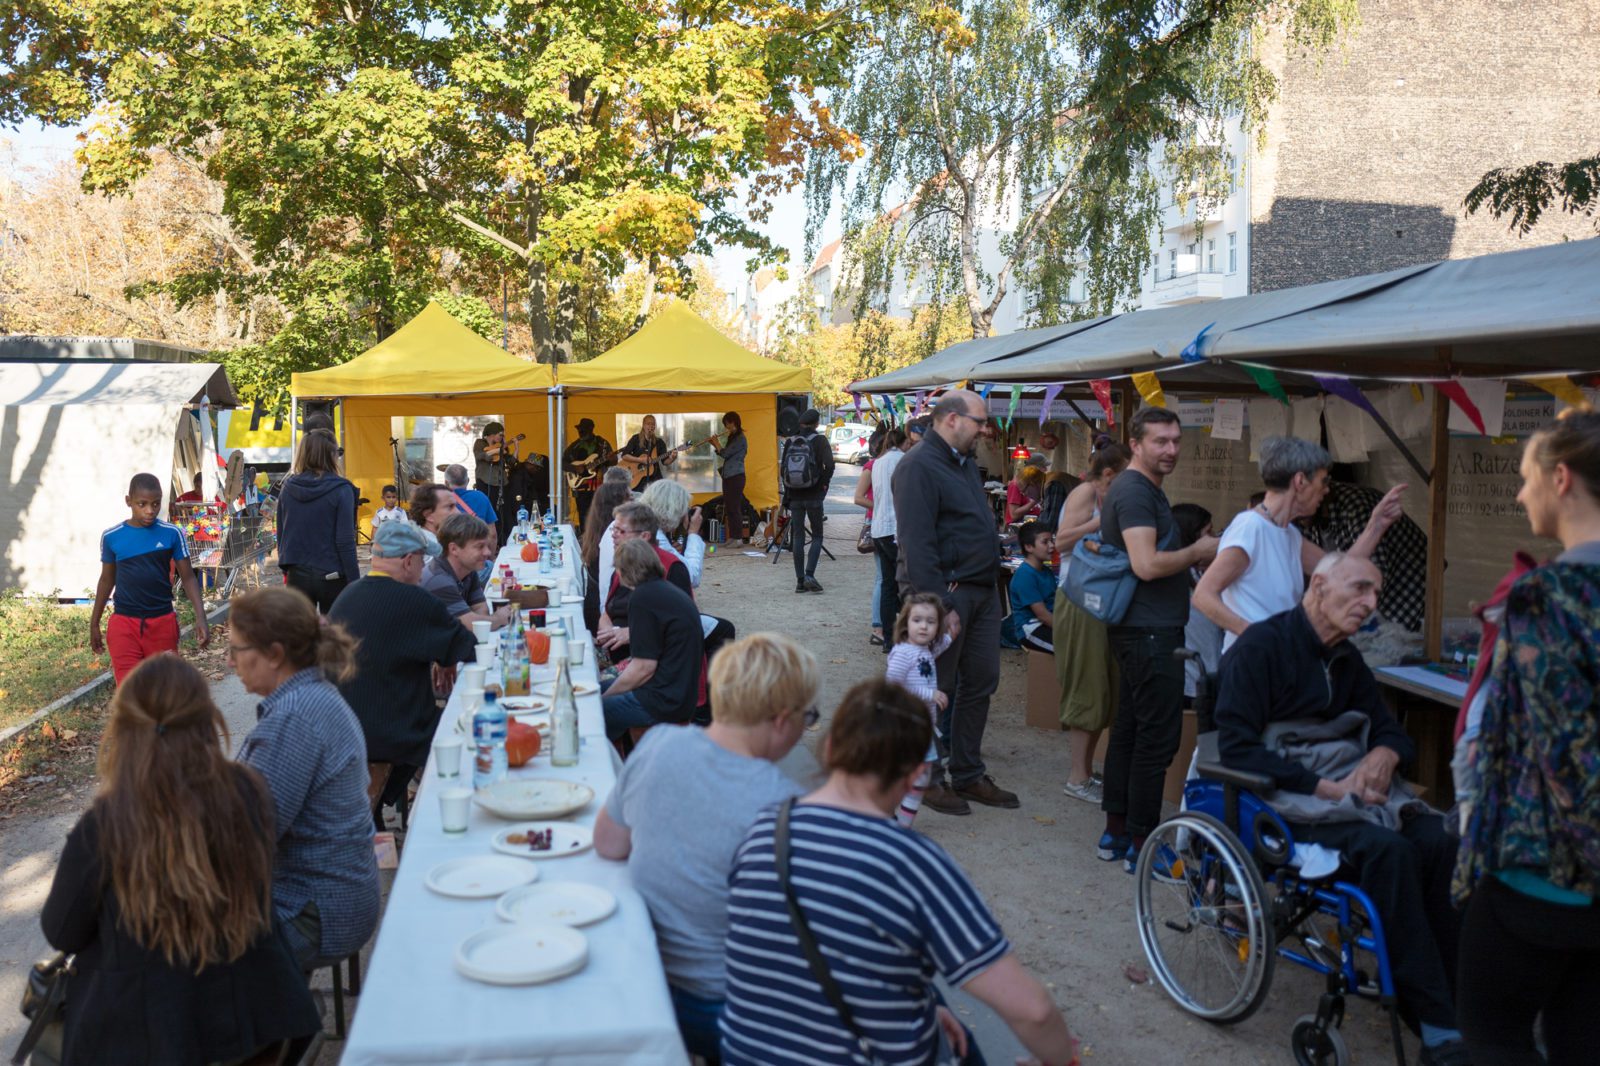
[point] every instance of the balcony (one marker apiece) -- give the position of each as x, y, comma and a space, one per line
1184, 282
1198, 210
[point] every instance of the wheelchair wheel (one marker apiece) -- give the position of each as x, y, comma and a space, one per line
1315, 1046
1201, 911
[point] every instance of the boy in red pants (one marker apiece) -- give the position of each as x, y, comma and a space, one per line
136, 559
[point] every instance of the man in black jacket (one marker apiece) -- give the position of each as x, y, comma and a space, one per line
805, 501
1299, 666
949, 546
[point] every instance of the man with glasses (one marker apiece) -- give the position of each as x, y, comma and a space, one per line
634, 522
408, 645
664, 678
949, 547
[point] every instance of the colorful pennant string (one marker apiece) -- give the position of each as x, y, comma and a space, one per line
1267, 381
1192, 353
1458, 396
856, 396
985, 390
1102, 392
1150, 389
1011, 411
1342, 388
1561, 388
1050, 394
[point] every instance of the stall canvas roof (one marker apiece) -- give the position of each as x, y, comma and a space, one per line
679, 352
432, 355
70, 384
960, 361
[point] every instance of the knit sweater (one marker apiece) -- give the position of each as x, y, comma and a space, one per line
911, 666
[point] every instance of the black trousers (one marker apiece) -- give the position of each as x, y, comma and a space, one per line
1407, 875
505, 509
888, 552
1149, 724
583, 498
802, 512
969, 673
1522, 957
318, 587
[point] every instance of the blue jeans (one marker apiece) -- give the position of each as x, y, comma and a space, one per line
698, 1023
624, 712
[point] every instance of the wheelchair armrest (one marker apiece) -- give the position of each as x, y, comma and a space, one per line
1260, 784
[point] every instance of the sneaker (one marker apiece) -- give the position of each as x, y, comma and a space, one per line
1166, 866
1089, 791
1111, 848
986, 792
810, 584
941, 798
1449, 1053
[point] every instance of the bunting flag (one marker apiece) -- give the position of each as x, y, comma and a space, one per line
1016, 398
922, 400
1150, 389
1192, 352
900, 403
1342, 388
1050, 394
1458, 396
985, 390
1562, 389
1267, 381
856, 396
1102, 392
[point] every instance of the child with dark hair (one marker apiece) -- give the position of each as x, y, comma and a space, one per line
137, 558
919, 638
1033, 591
391, 511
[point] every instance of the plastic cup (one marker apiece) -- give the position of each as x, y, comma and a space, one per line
454, 806
485, 655
481, 630
470, 677
575, 651
555, 596
447, 757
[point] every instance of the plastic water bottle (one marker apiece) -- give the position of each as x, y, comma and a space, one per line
489, 742
522, 523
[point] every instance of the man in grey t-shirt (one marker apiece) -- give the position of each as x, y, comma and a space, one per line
684, 801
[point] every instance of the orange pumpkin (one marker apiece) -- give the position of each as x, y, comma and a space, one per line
530, 552
522, 743
538, 642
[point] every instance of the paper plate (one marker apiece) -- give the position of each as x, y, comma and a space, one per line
531, 799
579, 688
522, 954
565, 839
564, 902
480, 876
523, 704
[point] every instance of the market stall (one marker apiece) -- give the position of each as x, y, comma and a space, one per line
433, 365
682, 370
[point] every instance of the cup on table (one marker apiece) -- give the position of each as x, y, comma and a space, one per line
454, 806
485, 654
447, 756
575, 651
554, 594
471, 677
481, 630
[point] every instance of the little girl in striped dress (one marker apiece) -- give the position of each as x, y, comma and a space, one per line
919, 639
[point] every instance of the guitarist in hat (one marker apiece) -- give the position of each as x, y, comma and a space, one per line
584, 462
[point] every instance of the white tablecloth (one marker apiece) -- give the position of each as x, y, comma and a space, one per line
415, 1008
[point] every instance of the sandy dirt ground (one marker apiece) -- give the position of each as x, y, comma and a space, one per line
1069, 916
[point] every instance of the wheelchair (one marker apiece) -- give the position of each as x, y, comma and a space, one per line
1218, 904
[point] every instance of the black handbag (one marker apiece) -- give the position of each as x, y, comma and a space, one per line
44, 999
864, 543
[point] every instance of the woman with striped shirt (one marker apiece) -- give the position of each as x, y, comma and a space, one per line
887, 910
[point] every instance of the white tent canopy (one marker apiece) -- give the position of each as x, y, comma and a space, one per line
959, 361
74, 433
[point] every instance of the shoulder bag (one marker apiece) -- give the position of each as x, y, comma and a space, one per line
1101, 580
819, 966
44, 999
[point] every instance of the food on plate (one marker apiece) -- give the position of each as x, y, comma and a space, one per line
535, 839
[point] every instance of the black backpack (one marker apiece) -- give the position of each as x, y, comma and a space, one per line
800, 467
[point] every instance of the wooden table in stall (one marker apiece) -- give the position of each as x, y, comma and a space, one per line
1426, 702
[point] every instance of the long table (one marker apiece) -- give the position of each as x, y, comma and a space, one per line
415, 1008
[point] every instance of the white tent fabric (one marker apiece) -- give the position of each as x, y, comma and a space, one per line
957, 362
71, 436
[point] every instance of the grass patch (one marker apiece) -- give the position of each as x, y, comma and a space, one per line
52, 761
46, 654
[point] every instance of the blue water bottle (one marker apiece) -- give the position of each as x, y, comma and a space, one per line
489, 742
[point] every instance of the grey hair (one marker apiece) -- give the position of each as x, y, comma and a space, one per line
455, 475
1329, 561
637, 562
618, 474
1284, 457
669, 500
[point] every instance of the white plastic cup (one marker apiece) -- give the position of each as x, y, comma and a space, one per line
447, 757
481, 630
555, 596
575, 651
485, 655
454, 806
470, 677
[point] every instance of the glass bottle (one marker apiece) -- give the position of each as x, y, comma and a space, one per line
564, 719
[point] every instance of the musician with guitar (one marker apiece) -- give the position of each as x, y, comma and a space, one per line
585, 461
645, 454
494, 457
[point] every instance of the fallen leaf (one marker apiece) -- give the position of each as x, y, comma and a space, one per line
838, 660
1043, 820
47, 731
68, 734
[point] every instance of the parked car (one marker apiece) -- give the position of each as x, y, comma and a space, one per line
849, 442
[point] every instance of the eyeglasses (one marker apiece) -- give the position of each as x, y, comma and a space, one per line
235, 649
982, 420
811, 717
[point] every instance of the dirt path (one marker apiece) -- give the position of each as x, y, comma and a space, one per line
1069, 916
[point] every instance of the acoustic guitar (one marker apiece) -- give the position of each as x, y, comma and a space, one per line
644, 468
493, 452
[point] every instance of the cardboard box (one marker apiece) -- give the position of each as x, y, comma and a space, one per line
1178, 772
1043, 707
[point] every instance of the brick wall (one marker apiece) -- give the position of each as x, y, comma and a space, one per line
1370, 152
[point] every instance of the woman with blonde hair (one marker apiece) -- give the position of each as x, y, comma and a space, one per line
308, 745
164, 892
685, 799
1022, 495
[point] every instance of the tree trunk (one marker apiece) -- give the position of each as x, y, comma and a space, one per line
647, 299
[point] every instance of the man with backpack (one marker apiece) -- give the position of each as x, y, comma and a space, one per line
806, 468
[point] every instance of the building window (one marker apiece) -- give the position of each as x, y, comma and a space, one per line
1233, 253
1211, 256
1172, 263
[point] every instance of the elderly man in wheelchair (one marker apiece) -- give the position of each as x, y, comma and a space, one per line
1296, 792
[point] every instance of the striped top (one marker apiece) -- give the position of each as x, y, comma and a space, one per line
889, 910
143, 556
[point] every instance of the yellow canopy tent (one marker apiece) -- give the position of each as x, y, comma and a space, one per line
679, 363
433, 365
